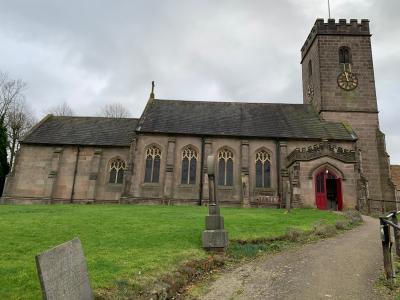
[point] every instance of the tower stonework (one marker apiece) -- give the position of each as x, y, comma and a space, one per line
338, 80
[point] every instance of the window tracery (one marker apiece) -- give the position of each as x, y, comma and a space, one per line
189, 163
225, 167
153, 162
117, 168
263, 169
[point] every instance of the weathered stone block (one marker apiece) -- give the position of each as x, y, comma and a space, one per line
63, 272
215, 239
214, 222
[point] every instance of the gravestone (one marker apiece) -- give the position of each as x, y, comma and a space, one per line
215, 237
63, 272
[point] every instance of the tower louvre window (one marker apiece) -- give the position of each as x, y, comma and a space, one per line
344, 55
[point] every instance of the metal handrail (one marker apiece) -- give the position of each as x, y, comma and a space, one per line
392, 213
390, 223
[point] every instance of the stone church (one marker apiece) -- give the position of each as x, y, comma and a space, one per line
327, 153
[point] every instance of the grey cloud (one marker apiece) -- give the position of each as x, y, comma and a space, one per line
93, 52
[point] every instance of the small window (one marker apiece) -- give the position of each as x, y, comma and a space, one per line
309, 69
153, 162
225, 167
344, 55
117, 168
263, 169
189, 162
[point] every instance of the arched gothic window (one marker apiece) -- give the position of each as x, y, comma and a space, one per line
153, 161
117, 168
225, 167
189, 162
344, 55
263, 169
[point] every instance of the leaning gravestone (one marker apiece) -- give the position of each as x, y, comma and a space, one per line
63, 272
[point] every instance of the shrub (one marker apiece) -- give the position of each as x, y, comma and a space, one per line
294, 234
324, 230
354, 216
342, 225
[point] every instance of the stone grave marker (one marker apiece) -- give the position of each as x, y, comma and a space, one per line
215, 237
63, 272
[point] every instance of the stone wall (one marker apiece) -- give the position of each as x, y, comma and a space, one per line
304, 163
304, 189
49, 178
63, 174
366, 126
395, 176
312, 58
170, 186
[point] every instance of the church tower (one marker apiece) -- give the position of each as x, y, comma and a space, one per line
338, 80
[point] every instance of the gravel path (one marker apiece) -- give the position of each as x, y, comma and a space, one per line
342, 267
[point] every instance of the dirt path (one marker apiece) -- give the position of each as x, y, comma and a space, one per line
342, 267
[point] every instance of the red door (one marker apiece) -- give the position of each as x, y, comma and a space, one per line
320, 190
339, 193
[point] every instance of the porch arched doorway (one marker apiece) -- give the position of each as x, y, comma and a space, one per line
328, 190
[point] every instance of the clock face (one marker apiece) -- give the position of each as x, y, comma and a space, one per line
347, 81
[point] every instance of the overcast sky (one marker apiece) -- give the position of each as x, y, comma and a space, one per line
92, 52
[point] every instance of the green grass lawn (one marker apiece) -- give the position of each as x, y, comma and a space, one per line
124, 242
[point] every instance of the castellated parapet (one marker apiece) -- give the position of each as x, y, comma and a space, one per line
353, 27
323, 149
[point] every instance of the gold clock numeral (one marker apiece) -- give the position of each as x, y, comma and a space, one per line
347, 81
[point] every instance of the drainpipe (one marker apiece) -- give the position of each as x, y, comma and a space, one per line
71, 200
278, 169
201, 171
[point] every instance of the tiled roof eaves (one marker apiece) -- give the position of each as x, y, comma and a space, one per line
245, 136
91, 131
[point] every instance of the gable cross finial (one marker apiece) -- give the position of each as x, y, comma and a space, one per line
152, 90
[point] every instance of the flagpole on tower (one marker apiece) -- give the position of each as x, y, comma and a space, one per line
329, 9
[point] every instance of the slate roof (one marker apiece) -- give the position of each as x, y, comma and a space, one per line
264, 120
83, 131
395, 171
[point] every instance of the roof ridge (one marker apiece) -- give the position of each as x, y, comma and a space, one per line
93, 117
233, 102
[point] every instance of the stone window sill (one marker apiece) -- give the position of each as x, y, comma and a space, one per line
225, 187
187, 186
264, 192
150, 184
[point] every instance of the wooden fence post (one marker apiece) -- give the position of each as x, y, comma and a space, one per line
396, 234
387, 252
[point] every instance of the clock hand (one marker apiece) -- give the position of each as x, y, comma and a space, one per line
347, 76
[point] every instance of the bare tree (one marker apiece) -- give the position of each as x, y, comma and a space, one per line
20, 120
62, 109
114, 110
11, 90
